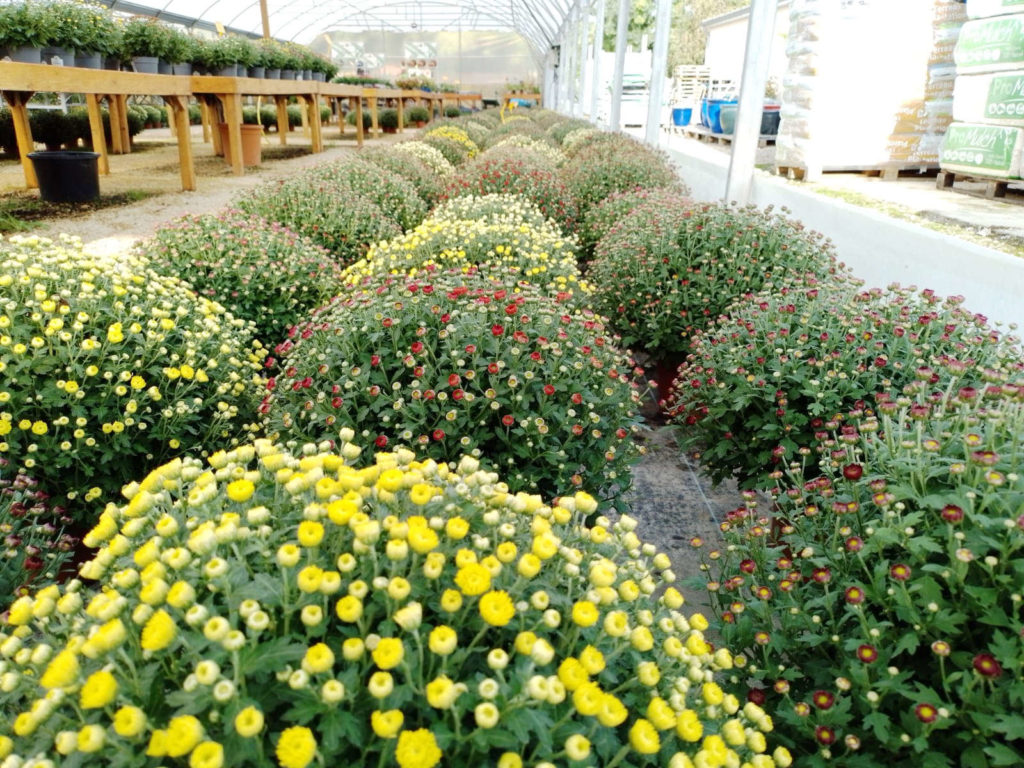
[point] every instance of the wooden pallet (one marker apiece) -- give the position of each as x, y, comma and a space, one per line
887, 172
701, 133
994, 188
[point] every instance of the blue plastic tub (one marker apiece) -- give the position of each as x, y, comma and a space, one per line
682, 115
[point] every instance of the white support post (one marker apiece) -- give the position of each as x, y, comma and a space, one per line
582, 45
622, 25
751, 100
574, 53
563, 74
595, 83
549, 81
659, 68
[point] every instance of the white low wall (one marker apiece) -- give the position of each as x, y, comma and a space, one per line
879, 249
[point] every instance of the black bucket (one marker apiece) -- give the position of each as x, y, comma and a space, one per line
67, 177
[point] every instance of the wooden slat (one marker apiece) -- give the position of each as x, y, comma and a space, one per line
99, 138
17, 101
41, 77
179, 117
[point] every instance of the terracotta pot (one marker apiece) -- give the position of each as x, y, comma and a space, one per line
252, 144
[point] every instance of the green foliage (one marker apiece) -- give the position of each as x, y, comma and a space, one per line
428, 185
396, 196
388, 118
618, 206
259, 271
662, 275
417, 114
25, 24
51, 127
350, 118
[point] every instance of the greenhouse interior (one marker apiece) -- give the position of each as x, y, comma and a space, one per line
511, 384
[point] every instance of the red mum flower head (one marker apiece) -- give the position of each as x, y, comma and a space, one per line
762, 638
823, 699
853, 471
900, 572
508, 420
438, 434
748, 566
497, 329
985, 664
854, 544
416, 348
822, 575
825, 735
548, 389
381, 441
951, 513
757, 696
854, 595
867, 653
926, 713
454, 380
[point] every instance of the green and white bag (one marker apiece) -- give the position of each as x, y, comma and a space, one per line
991, 45
984, 150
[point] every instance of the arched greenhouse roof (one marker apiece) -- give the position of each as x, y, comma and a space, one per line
538, 21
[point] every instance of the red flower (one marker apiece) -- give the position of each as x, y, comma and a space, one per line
438, 434
756, 696
900, 572
748, 566
853, 471
822, 575
508, 420
511, 309
336, 402
492, 367
470, 349
823, 699
854, 544
926, 713
381, 441
951, 513
497, 330
374, 360
985, 664
867, 653
416, 348
458, 394
854, 595
548, 389
454, 380
577, 398
825, 735
387, 322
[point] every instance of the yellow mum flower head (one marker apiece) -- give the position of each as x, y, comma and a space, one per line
510, 760
443, 640
689, 726
613, 712
249, 722
585, 613
349, 609
389, 653
712, 694
442, 692
592, 660
473, 579
62, 670
91, 738
587, 699
311, 533
380, 685
497, 608
296, 748
422, 539
129, 721
183, 734
417, 749
451, 600
98, 691
387, 724
318, 658
572, 674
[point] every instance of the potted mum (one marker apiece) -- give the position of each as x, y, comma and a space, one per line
24, 29
418, 116
145, 42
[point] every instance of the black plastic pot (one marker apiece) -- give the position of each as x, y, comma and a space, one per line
67, 177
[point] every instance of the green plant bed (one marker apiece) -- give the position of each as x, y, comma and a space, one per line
411, 168
882, 612
110, 369
762, 381
618, 206
350, 118
261, 272
662, 275
448, 364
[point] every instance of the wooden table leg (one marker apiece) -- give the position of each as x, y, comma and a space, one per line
401, 115
233, 117
373, 117
282, 119
122, 108
359, 120
99, 138
213, 111
204, 118
313, 107
179, 118
113, 112
18, 100
341, 116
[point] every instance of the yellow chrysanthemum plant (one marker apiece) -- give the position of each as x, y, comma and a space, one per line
513, 243
108, 369
456, 134
277, 608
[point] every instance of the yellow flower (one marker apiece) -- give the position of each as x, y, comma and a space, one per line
157, 744
443, 640
62, 671
159, 631
648, 673
592, 660
421, 494
319, 658
473, 579
241, 490
311, 533
183, 734
496, 608
380, 685
389, 653
451, 600
209, 754
643, 737
688, 726
387, 724
349, 608
99, 690
782, 757
486, 715
456, 528
587, 699
572, 674
529, 565
577, 747
352, 649
390, 480
417, 749
91, 738
422, 539
613, 712
129, 721
309, 579
249, 722
585, 613
137, 382
39, 428
296, 748
712, 694
510, 760
442, 692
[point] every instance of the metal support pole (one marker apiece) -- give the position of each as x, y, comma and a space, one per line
572, 51
563, 73
582, 45
751, 100
595, 82
615, 113
659, 67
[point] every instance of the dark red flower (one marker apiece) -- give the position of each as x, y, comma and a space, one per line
822, 575
757, 696
900, 572
985, 664
548, 389
375, 360
825, 735
854, 544
454, 380
867, 653
492, 367
926, 713
854, 595
951, 513
497, 330
823, 699
416, 348
381, 441
853, 471
438, 434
